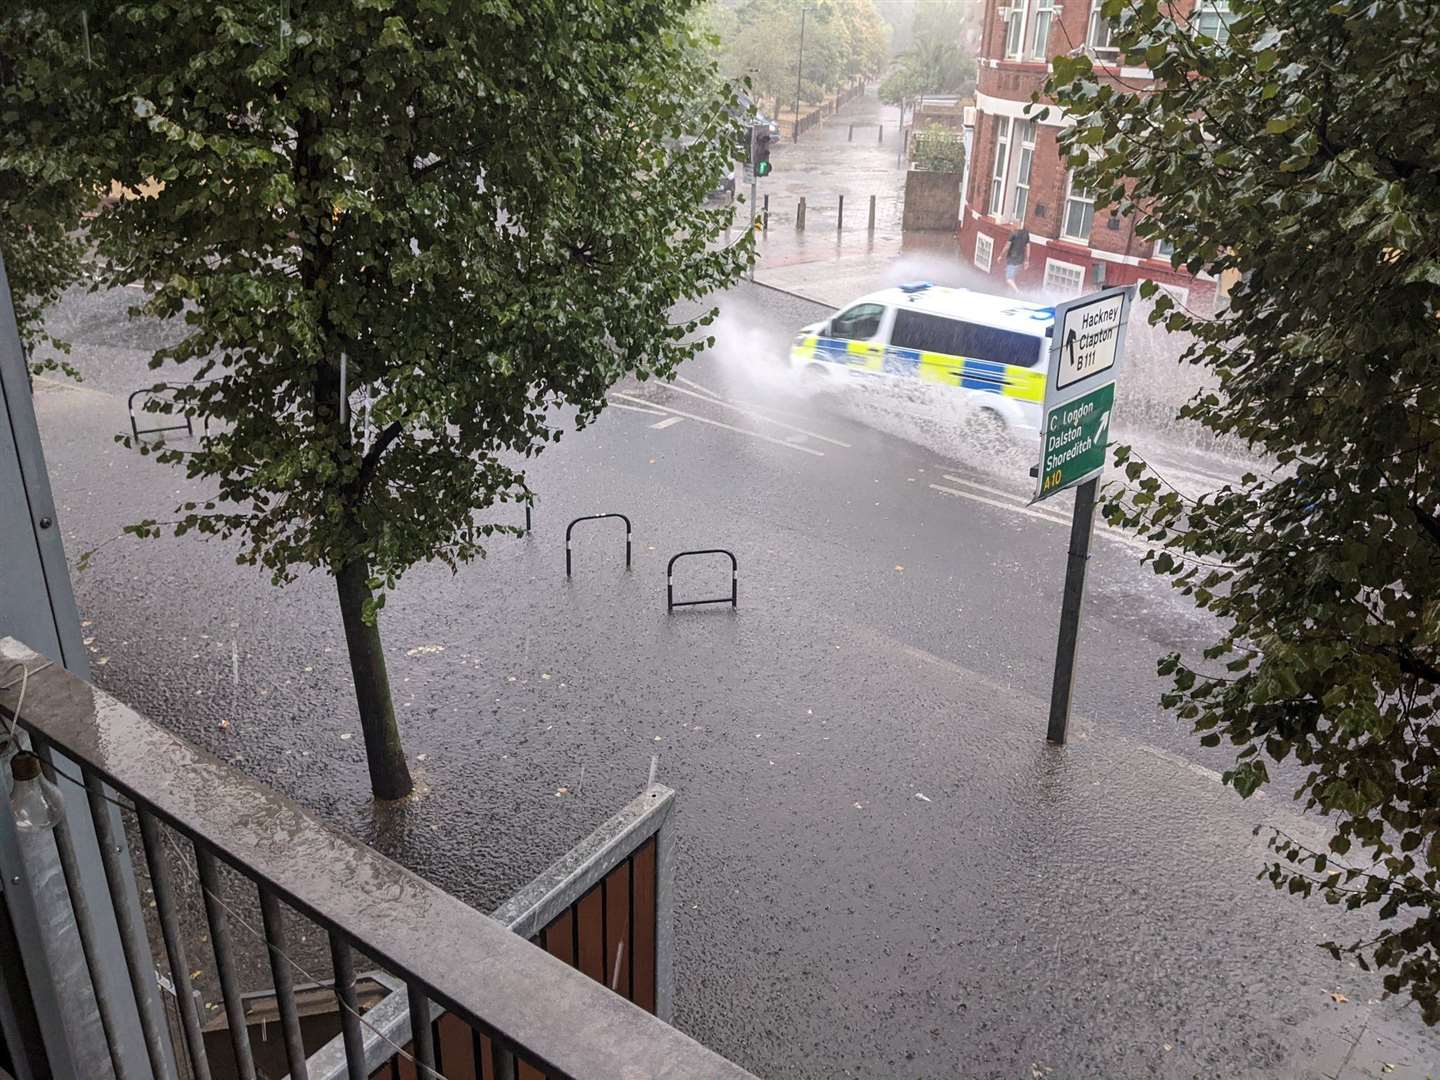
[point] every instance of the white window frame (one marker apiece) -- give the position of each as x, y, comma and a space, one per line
1039, 32
1016, 15
1024, 151
1100, 27
1052, 265
996, 206
1215, 14
1081, 197
1160, 252
984, 243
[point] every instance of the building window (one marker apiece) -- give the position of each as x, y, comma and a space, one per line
996, 206
984, 251
1040, 28
1164, 249
1024, 159
1079, 211
1064, 279
1015, 28
1101, 34
1212, 18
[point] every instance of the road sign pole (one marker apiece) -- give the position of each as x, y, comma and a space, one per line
1082, 527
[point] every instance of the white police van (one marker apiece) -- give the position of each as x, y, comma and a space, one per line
993, 349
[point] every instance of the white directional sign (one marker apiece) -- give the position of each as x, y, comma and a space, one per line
1088, 342
1089, 337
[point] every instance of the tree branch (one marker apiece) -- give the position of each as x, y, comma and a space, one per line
371, 461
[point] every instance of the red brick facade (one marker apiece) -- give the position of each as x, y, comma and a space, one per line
1107, 252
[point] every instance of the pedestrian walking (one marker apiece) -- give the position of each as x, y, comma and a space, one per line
1017, 255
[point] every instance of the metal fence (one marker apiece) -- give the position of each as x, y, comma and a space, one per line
521, 1010
604, 908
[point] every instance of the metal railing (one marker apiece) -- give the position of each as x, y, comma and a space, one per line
536, 1014
635, 847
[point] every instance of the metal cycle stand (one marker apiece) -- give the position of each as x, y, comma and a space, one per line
596, 517
733, 599
188, 427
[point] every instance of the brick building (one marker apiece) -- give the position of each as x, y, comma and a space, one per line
1017, 172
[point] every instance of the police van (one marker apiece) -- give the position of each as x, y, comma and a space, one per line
993, 349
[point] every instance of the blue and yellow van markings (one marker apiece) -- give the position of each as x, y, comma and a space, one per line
969, 373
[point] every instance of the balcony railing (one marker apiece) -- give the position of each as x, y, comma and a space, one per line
496, 1005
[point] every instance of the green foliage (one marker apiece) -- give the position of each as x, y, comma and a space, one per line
1301, 153
845, 40
487, 210
43, 196
936, 65
478, 214
937, 149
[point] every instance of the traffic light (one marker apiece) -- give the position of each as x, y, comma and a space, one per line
760, 149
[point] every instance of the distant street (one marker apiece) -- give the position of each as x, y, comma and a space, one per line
884, 870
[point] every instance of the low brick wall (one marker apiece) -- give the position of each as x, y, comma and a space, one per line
932, 201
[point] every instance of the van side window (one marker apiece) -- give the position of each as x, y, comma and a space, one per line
927, 333
860, 323
999, 346
935, 333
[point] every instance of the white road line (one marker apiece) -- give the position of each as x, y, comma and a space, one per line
996, 491
1105, 533
669, 421
1024, 510
632, 408
760, 416
731, 427
697, 386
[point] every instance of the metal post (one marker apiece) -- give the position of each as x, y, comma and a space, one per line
665, 921
840, 216
800, 215
133, 939
872, 214
754, 200
344, 966
850, 137
881, 137
1082, 526
799, 67
765, 216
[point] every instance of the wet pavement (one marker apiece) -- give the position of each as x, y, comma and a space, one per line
883, 869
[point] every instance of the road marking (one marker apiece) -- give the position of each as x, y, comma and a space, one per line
632, 408
1025, 510
1105, 533
729, 427
1064, 519
669, 421
760, 416
697, 386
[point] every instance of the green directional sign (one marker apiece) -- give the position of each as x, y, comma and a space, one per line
1073, 440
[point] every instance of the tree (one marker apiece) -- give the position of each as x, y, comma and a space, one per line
43, 196
935, 67
1297, 146
935, 63
472, 215
845, 40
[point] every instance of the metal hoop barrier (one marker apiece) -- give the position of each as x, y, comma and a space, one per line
188, 427
596, 517
671, 603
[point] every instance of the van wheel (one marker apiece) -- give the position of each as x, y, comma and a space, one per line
989, 427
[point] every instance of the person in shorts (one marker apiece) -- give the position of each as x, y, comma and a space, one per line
1017, 255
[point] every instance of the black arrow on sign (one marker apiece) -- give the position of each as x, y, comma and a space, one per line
1070, 344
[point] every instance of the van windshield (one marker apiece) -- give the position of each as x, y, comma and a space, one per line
859, 323
954, 337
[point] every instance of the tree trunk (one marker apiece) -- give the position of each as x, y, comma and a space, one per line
389, 775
